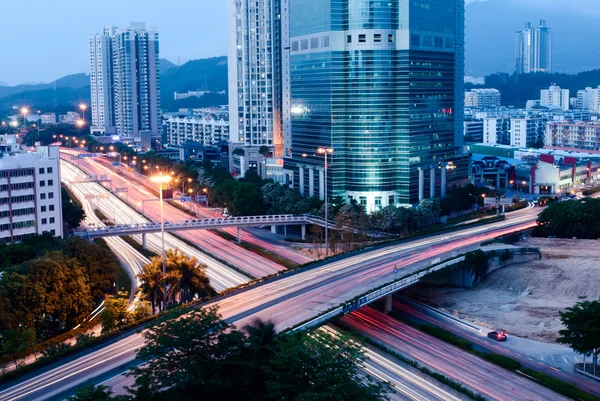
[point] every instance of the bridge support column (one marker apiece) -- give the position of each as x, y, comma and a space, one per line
239, 236
284, 231
274, 229
303, 228
144, 241
432, 182
421, 184
387, 307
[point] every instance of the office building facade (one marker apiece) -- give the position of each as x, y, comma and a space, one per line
254, 63
30, 192
125, 82
382, 84
533, 50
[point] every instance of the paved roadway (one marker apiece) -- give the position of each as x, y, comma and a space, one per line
483, 377
287, 301
254, 264
221, 276
521, 350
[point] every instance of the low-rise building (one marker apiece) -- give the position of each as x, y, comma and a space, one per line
555, 96
48, 119
589, 99
206, 129
70, 118
482, 98
30, 191
496, 130
583, 135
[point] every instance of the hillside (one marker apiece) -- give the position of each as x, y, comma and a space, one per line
65, 93
491, 26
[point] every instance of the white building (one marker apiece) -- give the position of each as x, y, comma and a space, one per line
589, 99
496, 130
179, 96
125, 82
48, 119
70, 118
584, 135
527, 131
482, 98
533, 51
255, 81
555, 96
206, 129
30, 192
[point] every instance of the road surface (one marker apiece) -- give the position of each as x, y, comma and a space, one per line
287, 301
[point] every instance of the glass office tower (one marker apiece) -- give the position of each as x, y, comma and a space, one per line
376, 81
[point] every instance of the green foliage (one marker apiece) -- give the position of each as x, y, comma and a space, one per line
73, 213
199, 356
574, 218
500, 360
115, 313
279, 199
582, 332
459, 199
559, 386
95, 393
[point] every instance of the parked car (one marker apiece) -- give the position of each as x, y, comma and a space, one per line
498, 335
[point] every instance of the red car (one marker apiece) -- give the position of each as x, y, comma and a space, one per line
499, 335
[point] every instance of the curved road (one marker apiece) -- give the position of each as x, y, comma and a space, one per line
286, 301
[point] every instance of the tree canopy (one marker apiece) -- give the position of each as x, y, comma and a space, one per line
573, 218
582, 332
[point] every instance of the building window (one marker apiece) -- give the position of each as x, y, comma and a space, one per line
42, 183
390, 38
363, 202
314, 43
43, 209
349, 39
295, 46
50, 195
52, 220
377, 38
415, 40
378, 202
362, 38
44, 221
41, 171
304, 44
49, 170
50, 183
325, 41
42, 196
51, 208
392, 200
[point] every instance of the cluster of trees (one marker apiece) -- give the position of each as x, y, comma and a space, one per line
198, 356
49, 285
72, 210
117, 312
582, 328
574, 218
185, 280
516, 89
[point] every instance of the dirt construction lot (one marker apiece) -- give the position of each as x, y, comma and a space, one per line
525, 299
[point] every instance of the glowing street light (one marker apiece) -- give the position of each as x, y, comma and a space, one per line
24, 111
160, 180
83, 108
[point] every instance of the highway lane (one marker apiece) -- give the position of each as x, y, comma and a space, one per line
287, 301
254, 264
421, 314
483, 377
221, 276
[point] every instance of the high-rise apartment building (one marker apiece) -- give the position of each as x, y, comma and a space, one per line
527, 131
533, 49
30, 194
555, 97
482, 98
589, 99
125, 82
381, 83
255, 80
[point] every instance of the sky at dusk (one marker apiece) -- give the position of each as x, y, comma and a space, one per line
47, 39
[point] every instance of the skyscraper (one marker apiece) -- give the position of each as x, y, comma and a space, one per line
125, 82
254, 85
533, 50
380, 82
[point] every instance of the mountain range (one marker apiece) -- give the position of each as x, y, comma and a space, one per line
67, 92
490, 28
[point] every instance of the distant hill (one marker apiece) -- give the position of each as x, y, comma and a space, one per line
490, 28
65, 93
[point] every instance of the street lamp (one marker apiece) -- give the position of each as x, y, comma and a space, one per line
325, 151
83, 107
162, 179
24, 111
474, 197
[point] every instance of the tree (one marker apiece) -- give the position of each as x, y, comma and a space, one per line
247, 200
576, 218
582, 332
115, 313
429, 209
73, 213
18, 341
152, 283
95, 393
190, 279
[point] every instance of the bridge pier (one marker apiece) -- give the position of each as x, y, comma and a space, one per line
284, 231
144, 241
303, 228
239, 236
274, 229
387, 307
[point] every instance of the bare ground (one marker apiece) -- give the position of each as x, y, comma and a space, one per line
525, 299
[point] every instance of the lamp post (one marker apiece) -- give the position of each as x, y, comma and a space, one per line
39, 122
474, 197
24, 111
162, 179
83, 107
325, 151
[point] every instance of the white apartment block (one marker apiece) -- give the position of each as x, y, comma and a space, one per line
482, 98
70, 118
527, 131
30, 191
48, 119
589, 99
254, 63
583, 135
555, 96
496, 130
125, 82
206, 129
